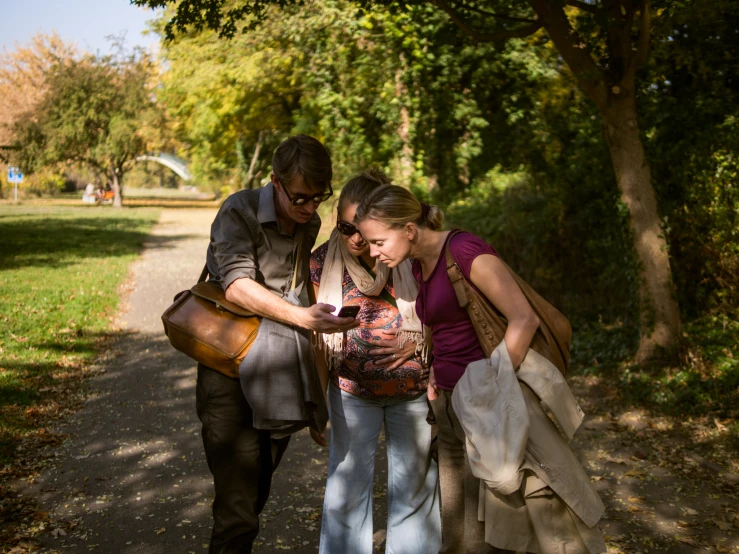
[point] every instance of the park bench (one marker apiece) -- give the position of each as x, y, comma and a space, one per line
106, 197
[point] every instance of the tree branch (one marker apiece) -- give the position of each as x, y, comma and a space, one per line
614, 7
519, 32
582, 6
91, 162
618, 39
504, 17
642, 42
573, 50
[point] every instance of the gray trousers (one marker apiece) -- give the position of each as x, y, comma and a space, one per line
461, 531
241, 459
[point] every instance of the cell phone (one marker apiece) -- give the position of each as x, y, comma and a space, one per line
348, 311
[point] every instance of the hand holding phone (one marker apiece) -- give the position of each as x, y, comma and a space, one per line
348, 311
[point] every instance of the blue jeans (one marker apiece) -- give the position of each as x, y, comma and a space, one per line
414, 523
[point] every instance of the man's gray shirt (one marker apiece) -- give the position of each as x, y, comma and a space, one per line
278, 374
247, 240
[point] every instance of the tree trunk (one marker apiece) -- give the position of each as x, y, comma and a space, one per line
402, 167
118, 198
659, 316
252, 174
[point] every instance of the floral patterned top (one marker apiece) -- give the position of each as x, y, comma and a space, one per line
356, 375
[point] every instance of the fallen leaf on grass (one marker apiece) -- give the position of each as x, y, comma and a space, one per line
635, 473
688, 540
730, 478
721, 524
613, 460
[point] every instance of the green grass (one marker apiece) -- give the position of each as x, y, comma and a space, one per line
60, 268
150, 192
706, 381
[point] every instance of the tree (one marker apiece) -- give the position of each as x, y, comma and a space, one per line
604, 43
228, 114
688, 108
233, 101
22, 78
94, 111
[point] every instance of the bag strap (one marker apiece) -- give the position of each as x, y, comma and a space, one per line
455, 273
297, 259
203, 274
552, 339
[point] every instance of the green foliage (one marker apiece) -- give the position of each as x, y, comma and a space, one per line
222, 94
94, 112
59, 273
374, 84
151, 175
707, 380
46, 182
335, 73
690, 101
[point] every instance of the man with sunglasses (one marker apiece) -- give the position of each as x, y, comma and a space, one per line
258, 239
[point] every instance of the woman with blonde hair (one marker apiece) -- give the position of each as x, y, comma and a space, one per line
378, 377
531, 516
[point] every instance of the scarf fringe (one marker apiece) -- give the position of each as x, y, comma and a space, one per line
332, 345
423, 347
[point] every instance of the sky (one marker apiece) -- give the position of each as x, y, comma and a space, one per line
84, 22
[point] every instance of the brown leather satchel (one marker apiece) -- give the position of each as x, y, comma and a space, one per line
552, 338
211, 330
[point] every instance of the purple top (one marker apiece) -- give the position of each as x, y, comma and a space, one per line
454, 338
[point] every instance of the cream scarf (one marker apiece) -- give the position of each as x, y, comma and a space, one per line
331, 292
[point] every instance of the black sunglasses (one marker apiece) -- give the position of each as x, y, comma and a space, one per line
302, 199
346, 228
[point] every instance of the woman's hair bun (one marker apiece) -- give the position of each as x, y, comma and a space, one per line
435, 218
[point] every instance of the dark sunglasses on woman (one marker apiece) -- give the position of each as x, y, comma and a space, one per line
346, 228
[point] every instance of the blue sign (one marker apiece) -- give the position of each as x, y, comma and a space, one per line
14, 175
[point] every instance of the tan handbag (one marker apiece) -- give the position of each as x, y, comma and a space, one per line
211, 330
552, 338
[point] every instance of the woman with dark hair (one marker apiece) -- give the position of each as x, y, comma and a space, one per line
530, 511
378, 375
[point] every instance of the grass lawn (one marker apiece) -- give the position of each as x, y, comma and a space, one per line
60, 268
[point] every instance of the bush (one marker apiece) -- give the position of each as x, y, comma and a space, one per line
43, 183
570, 243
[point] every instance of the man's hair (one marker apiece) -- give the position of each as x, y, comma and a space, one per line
305, 156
